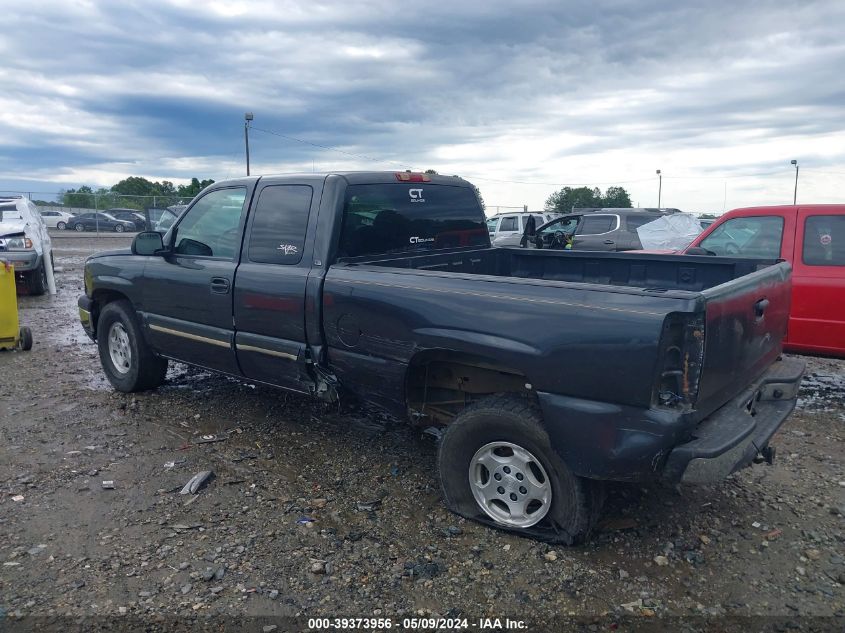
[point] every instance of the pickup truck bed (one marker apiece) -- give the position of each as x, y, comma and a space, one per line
548, 370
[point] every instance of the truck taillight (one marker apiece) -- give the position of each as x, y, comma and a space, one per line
682, 357
408, 176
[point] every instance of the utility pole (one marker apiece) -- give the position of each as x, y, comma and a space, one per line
795, 195
247, 118
659, 187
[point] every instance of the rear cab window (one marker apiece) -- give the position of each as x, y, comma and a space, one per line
824, 240
410, 217
754, 236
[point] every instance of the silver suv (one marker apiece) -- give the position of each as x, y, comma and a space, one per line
596, 229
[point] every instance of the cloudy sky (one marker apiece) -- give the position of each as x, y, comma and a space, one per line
520, 97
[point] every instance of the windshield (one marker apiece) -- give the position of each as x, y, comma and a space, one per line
10, 211
410, 216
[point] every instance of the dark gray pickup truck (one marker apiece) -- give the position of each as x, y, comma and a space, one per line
549, 371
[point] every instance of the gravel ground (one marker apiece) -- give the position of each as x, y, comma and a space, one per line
314, 512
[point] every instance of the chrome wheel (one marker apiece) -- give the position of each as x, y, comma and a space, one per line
119, 228
510, 484
120, 351
61, 226
79, 227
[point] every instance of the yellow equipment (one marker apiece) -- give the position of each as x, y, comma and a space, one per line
12, 336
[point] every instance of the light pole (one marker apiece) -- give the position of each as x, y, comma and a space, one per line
247, 118
795, 195
659, 187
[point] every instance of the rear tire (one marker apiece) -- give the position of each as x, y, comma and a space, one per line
128, 361
36, 281
61, 226
565, 506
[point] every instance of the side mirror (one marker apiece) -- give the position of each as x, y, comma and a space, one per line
147, 243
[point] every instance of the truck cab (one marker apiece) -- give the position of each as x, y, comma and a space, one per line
812, 239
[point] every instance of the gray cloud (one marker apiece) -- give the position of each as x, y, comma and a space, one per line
157, 87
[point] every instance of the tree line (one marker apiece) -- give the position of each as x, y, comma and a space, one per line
566, 199
149, 193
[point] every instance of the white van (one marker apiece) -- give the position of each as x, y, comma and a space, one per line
506, 228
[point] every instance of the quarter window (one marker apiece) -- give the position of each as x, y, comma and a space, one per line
758, 237
824, 240
278, 229
210, 227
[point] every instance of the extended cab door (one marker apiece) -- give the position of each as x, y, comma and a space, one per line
270, 287
187, 294
817, 322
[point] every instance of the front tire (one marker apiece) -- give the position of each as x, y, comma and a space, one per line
128, 362
118, 228
36, 281
497, 466
79, 228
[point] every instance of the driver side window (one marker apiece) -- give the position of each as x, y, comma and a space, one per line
210, 227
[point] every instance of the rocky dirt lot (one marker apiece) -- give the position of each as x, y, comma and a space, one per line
317, 512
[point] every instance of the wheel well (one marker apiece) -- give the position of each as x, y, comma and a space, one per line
441, 384
100, 299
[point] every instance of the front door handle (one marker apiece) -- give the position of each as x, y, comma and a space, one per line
219, 285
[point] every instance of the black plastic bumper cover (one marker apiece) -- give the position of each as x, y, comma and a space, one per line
85, 305
733, 436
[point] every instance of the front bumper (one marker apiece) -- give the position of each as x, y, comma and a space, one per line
86, 309
23, 261
736, 434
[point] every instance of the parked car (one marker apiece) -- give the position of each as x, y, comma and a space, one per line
100, 222
596, 230
129, 215
812, 239
56, 219
656, 367
506, 229
23, 242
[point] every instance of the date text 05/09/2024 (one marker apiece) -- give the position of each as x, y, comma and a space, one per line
381, 624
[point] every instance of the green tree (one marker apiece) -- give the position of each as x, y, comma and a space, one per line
192, 189
82, 198
616, 198
566, 199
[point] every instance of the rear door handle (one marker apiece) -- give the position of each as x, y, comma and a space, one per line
760, 307
609, 242
219, 285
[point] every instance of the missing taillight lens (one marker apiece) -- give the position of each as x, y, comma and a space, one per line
682, 356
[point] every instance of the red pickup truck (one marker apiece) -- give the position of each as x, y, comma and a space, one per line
812, 239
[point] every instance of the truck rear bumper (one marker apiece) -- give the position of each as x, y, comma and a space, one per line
733, 436
600, 440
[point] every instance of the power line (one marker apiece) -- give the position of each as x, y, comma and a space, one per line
327, 147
